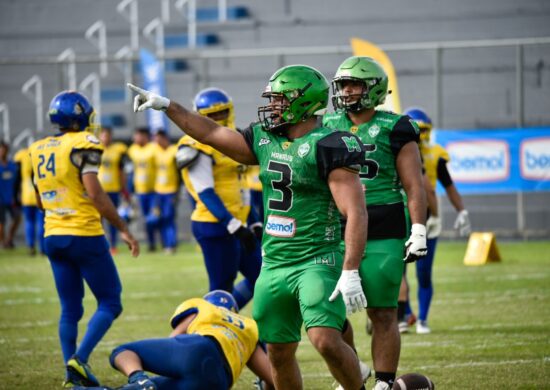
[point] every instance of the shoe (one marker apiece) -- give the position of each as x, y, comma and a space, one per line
151, 248
169, 251
422, 327
80, 373
403, 327
140, 384
381, 386
369, 326
114, 251
32, 251
411, 319
365, 373
258, 384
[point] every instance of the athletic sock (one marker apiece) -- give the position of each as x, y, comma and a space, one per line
137, 375
388, 377
401, 306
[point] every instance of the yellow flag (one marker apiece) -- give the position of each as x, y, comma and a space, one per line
364, 48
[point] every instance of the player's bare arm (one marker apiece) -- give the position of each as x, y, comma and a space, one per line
201, 128
409, 168
431, 198
259, 365
107, 210
183, 325
348, 194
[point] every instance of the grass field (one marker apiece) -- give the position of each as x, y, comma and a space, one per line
491, 324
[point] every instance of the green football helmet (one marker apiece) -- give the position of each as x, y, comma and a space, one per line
367, 71
296, 93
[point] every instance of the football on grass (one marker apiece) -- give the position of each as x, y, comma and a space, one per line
413, 382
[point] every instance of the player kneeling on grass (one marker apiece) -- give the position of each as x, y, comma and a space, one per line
208, 348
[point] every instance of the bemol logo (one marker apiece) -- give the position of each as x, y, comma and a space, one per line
535, 158
476, 161
280, 226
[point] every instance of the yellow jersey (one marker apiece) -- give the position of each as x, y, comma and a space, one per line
110, 172
143, 159
431, 154
28, 197
236, 334
166, 174
253, 178
56, 165
227, 183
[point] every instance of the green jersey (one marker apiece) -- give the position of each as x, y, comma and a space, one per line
383, 136
301, 219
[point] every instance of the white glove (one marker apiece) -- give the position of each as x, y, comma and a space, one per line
462, 223
349, 285
433, 226
415, 247
147, 99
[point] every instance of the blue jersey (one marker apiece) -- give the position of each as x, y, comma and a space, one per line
8, 175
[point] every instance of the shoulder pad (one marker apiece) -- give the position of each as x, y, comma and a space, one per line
186, 156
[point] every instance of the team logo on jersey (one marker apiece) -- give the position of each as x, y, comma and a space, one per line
286, 144
92, 138
374, 130
263, 141
354, 129
280, 226
303, 150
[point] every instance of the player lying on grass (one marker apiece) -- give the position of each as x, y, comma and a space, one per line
208, 348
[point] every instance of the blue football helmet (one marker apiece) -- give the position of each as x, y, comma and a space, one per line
222, 298
212, 100
423, 121
70, 110
419, 116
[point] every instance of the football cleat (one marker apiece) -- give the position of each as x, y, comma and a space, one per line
380, 385
365, 373
403, 327
422, 327
79, 373
140, 384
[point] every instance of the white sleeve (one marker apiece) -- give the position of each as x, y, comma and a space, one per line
200, 173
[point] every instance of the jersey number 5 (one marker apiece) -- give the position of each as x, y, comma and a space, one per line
50, 165
370, 167
282, 185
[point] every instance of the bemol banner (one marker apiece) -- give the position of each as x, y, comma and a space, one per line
497, 161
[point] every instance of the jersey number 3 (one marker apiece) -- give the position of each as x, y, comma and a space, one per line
282, 185
50, 165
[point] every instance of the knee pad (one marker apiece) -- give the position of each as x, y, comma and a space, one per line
71, 313
115, 308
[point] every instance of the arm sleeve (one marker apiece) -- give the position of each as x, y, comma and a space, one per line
86, 160
403, 132
443, 175
248, 135
186, 156
339, 150
202, 179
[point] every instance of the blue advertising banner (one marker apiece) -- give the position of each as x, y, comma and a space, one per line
153, 80
497, 161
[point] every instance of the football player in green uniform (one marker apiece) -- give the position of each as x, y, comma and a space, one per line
310, 175
392, 163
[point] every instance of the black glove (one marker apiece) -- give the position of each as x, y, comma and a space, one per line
258, 229
247, 238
